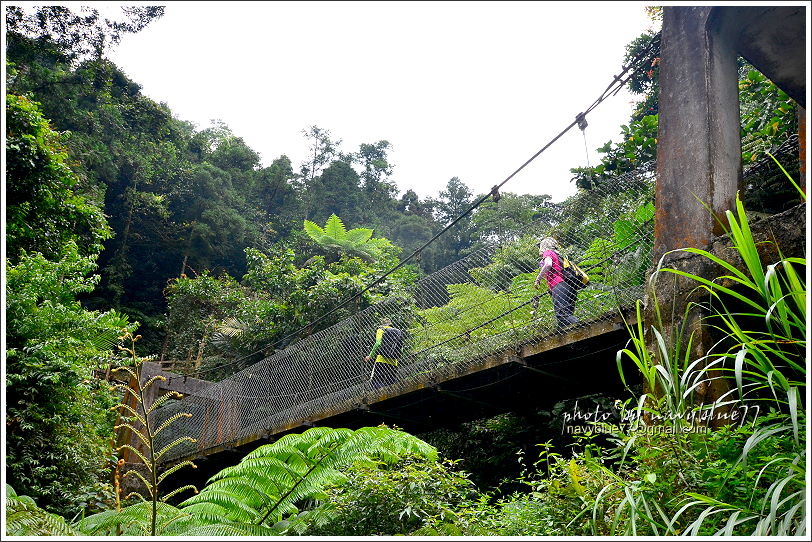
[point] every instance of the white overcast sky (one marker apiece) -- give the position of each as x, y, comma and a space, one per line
470, 89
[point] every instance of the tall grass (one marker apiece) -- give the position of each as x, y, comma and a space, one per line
758, 312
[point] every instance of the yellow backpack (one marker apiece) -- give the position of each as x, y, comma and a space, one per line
573, 274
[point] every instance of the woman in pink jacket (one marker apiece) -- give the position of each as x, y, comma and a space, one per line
563, 294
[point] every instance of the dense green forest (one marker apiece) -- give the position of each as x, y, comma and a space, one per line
132, 235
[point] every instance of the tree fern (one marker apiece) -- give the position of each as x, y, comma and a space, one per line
314, 231
335, 238
25, 518
271, 482
334, 228
359, 235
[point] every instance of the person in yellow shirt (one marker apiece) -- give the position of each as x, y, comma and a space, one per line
386, 352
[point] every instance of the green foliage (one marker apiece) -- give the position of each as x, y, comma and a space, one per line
77, 35
43, 210
637, 146
768, 115
646, 80
24, 518
512, 217
769, 119
552, 501
139, 418
197, 311
669, 473
772, 358
58, 423
381, 499
335, 239
501, 306
218, 322
272, 490
271, 482
752, 483
492, 450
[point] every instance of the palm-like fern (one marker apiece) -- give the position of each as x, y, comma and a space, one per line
271, 482
25, 518
336, 239
262, 495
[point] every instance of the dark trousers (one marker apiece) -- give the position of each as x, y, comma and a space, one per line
383, 374
564, 303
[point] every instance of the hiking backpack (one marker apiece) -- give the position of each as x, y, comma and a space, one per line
573, 274
392, 343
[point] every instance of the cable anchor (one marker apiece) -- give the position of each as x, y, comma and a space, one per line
580, 118
495, 193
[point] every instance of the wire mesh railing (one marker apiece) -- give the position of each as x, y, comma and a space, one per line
482, 305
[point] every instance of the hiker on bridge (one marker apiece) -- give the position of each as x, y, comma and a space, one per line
562, 293
386, 352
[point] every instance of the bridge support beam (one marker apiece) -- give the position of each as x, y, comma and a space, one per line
457, 395
699, 147
520, 361
698, 141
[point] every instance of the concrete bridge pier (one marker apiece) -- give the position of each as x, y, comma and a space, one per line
699, 168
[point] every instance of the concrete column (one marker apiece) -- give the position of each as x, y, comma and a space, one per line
698, 175
699, 146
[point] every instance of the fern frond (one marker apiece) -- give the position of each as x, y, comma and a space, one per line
231, 529
229, 328
134, 414
135, 451
135, 517
135, 432
177, 525
147, 483
25, 518
271, 468
358, 235
275, 478
335, 228
133, 520
314, 231
227, 505
152, 381
126, 369
164, 398
249, 491
160, 453
177, 491
175, 468
169, 421
206, 513
302, 522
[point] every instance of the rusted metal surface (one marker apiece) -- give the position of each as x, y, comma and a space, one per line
171, 382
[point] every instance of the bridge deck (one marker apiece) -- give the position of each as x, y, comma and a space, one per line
545, 370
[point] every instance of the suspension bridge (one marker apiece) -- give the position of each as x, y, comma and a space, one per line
480, 340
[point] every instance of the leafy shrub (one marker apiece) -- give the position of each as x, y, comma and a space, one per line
58, 421
381, 499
